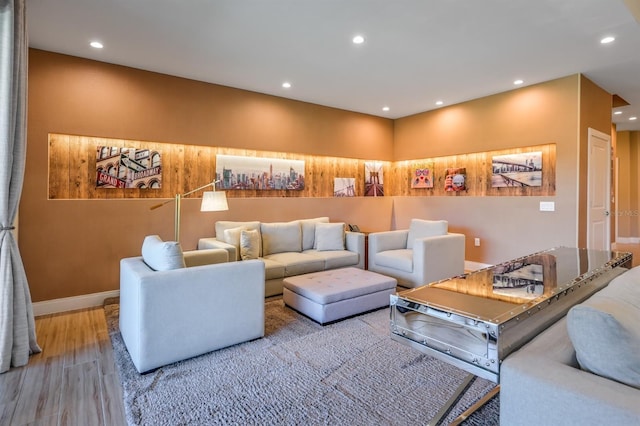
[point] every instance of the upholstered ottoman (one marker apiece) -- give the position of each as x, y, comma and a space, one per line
332, 295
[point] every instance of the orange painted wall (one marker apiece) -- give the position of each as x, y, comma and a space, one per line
72, 247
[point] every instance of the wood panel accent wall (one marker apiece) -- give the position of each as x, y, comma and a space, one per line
72, 171
479, 169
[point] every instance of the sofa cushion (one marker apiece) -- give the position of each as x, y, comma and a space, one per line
420, 228
401, 259
309, 231
281, 237
162, 255
329, 236
249, 244
604, 330
272, 269
234, 236
334, 259
297, 263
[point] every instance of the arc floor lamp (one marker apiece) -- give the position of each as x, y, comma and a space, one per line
212, 201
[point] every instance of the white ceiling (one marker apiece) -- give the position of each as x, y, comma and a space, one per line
415, 52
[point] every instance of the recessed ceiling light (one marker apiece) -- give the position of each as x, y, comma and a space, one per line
633, 118
358, 39
96, 45
617, 113
607, 40
518, 82
439, 103
286, 85
385, 108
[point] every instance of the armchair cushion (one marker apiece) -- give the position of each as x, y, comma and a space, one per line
329, 236
420, 228
162, 255
401, 259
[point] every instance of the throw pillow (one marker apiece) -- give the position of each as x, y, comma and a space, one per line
606, 338
249, 244
162, 255
232, 236
329, 236
420, 228
281, 237
309, 231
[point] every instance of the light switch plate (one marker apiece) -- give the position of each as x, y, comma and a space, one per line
547, 206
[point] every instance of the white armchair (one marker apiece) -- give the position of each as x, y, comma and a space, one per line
424, 253
176, 305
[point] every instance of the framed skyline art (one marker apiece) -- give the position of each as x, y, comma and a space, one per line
259, 173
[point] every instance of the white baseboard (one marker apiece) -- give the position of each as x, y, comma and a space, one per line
628, 240
97, 299
474, 266
72, 303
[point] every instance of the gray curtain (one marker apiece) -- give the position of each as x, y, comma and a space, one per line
17, 326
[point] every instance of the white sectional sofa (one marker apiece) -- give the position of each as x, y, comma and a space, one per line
289, 248
584, 369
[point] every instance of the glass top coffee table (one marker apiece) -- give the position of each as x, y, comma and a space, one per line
475, 320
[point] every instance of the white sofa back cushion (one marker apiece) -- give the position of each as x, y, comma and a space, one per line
421, 228
281, 237
162, 255
309, 231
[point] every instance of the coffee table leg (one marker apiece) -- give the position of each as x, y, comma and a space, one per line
468, 380
462, 417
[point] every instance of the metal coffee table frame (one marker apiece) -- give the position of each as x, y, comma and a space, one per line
461, 321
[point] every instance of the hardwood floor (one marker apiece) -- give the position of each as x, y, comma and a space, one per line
73, 381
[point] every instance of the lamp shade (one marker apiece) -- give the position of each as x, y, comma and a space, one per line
214, 201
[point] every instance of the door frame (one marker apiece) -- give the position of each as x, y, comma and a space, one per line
592, 133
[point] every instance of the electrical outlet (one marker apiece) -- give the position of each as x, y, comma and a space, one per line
476, 242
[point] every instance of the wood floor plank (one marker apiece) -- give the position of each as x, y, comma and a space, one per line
51, 334
40, 397
81, 343
10, 386
46, 421
81, 395
112, 400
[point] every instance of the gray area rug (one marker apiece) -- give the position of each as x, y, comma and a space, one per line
346, 373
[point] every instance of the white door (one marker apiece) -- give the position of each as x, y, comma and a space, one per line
599, 188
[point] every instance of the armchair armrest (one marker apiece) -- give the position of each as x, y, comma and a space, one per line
214, 243
439, 257
387, 240
205, 257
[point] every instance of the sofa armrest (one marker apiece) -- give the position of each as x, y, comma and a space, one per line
439, 257
205, 257
387, 240
214, 243
354, 241
542, 384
